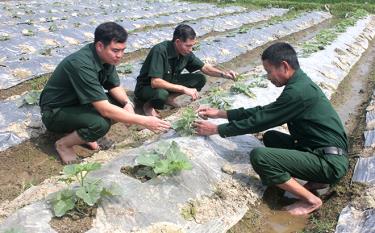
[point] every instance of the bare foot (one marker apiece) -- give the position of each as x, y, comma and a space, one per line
303, 207
67, 154
312, 186
93, 145
150, 111
171, 100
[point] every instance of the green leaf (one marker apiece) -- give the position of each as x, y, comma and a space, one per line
63, 202
148, 159
124, 69
71, 170
88, 167
90, 193
162, 167
113, 190
184, 125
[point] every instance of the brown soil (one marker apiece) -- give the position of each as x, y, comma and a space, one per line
74, 222
139, 172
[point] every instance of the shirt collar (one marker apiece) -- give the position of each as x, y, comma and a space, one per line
172, 53
294, 78
98, 63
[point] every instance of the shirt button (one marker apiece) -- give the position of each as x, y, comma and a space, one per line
295, 141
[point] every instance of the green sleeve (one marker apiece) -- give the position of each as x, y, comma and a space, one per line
252, 120
85, 82
113, 79
156, 64
194, 63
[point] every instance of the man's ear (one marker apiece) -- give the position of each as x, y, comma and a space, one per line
99, 46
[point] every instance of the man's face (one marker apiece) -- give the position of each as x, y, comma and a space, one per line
276, 74
184, 47
112, 53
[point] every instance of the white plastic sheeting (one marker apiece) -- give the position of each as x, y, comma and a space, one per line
302, 22
159, 204
221, 49
359, 215
364, 171
23, 57
159, 201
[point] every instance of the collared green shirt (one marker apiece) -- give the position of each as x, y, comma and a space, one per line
311, 119
164, 62
79, 79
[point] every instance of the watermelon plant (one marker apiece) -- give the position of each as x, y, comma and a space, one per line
165, 159
88, 193
184, 125
30, 98
241, 87
217, 98
124, 69
4, 36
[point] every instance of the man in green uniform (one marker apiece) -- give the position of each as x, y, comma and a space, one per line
160, 80
315, 150
74, 101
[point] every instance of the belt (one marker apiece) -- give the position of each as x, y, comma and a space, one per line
331, 150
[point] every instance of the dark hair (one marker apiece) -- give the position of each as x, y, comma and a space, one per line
183, 32
110, 31
279, 52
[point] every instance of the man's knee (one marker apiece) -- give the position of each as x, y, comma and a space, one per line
159, 98
201, 81
96, 129
257, 156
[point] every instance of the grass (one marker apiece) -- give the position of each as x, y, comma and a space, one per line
337, 8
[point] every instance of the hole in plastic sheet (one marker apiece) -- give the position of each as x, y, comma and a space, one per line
139, 172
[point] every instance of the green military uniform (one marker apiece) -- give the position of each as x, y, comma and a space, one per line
313, 125
78, 80
164, 62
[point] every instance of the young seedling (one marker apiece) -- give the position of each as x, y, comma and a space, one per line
4, 36
166, 159
184, 125
27, 32
88, 193
52, 28
124, 69
217, 99
240, 87
30, 98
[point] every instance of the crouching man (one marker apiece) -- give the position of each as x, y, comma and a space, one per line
315, 150
74, 101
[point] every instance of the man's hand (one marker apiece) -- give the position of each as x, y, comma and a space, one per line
207, 112
156, 125
230, 74
129, 107
191, 92
205, 128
